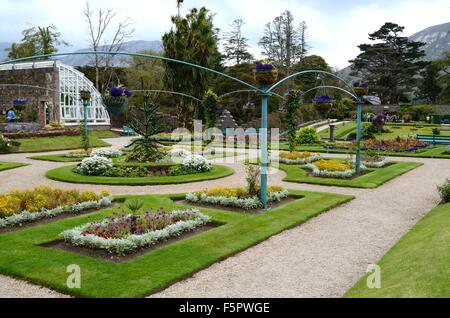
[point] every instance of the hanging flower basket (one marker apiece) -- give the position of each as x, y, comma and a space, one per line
361, 88
116, 100
19, 104
323, 103
249, 106
265, 74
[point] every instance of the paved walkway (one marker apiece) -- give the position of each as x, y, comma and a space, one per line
322, 258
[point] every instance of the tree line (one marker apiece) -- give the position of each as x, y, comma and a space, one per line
393, 64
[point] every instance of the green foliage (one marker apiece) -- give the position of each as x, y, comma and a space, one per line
85, 140
193, 39
236, 45
444, 191
430, 87
208, 109
37, 41
421, 112
307, 136
309, 81
436, 131
290, 118
391, 64
134, 205
146, 123
252, 176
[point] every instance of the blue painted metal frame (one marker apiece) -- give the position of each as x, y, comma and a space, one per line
264, 92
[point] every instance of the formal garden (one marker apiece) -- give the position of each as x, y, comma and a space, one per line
140, 206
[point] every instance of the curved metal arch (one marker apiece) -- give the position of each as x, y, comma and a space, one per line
151, 56
309, 72
332, 87
165, 92
250, 91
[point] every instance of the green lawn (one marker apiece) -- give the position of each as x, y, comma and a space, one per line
62, 158
66, 174
371, 180
418, 265
22, 256
11, 165
397, 130
42, 144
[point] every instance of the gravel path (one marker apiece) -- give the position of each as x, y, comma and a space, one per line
322, 258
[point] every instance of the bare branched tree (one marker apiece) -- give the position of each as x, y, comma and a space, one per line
98, 24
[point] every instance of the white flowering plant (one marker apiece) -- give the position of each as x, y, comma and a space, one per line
106, 153
196, 163
124, 234
245, 203
346, 174
94, 166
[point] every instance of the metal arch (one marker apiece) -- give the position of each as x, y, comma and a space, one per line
166, 92
309, 72
332, 87
250, 90
137, 55
30, 87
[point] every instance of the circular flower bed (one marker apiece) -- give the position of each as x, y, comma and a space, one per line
333, 169
298, 158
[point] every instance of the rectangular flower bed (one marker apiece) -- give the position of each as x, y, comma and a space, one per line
333, 169
298, 158
124, 234
236, 197
19, 207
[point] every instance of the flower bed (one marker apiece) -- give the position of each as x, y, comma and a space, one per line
124, 234
18, 207
78, 154
376, 164
298, 158
235, 197
332, 169
106, 153
388, 145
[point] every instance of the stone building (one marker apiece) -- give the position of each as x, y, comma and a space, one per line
49, 92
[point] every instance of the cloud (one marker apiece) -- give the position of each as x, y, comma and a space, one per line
335, 27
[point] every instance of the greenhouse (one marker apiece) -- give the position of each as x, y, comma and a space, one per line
48, 92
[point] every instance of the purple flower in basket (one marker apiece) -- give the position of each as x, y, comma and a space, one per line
116, 91
323, 99
127, 93
19, 102
264, 67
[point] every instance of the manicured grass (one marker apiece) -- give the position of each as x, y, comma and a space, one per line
400, 131
66, 174
11, 165
42, 144
371, 180
437, 152
22, 256
62, 158
418, 265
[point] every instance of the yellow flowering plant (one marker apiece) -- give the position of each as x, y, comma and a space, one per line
332, 165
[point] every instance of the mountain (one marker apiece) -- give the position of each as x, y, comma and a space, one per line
3, 53
130, 47
437, 39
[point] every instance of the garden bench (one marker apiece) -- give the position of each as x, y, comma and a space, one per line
434, 139
127, 131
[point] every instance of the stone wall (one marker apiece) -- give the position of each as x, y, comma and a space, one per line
36, 98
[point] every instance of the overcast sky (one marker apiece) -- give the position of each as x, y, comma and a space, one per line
335, 27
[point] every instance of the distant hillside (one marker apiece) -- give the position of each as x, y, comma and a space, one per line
130, 47
437, 39
3, 53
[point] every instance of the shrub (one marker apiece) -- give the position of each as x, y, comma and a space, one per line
106, 153
196, 164
252, 176
134, 205
436, 131
307, 136
5, 145
94, 166
444, 190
